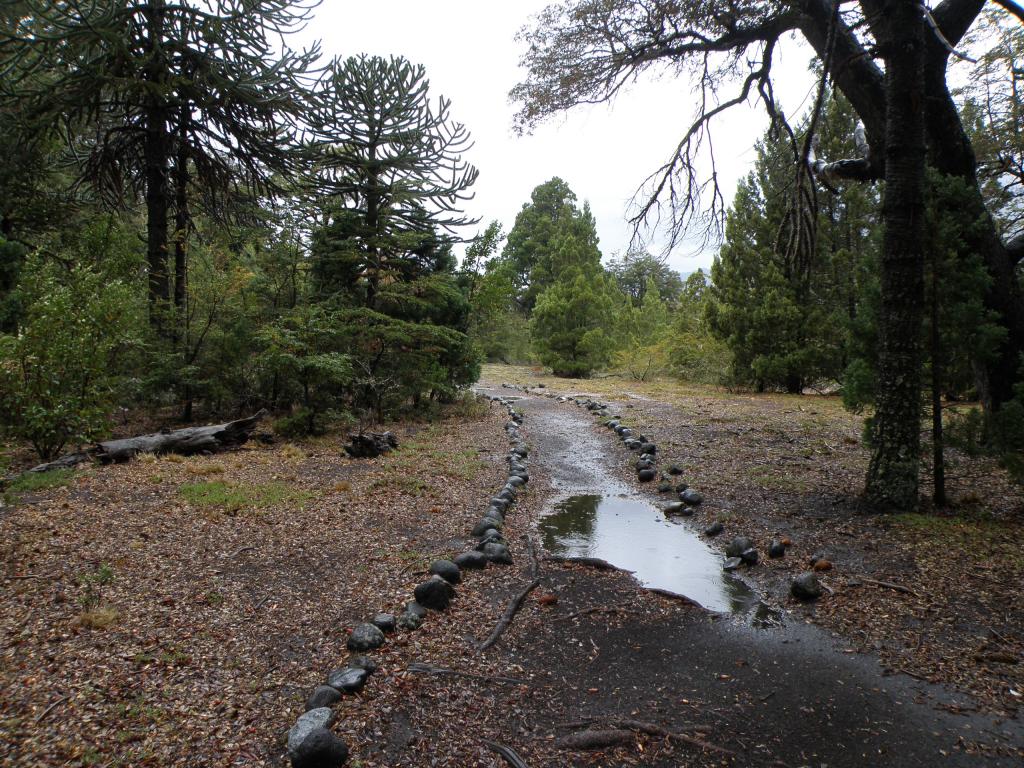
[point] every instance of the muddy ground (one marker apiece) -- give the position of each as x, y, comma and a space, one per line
228, 609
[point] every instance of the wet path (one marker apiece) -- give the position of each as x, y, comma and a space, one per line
789, 695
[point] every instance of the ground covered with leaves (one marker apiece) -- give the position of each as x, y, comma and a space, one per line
933, 594
177, 612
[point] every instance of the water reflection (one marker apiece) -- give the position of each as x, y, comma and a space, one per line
633, 534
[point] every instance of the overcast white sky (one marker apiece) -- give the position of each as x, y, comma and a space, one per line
603, 153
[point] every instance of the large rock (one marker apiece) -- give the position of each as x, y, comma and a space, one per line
750, 556
675, 508
497, 553
365, 637
691, 496
516, 481
650, 448
348, 680
806, 586
410, 621
385, 622
369, 445
447, 570
675, 469
363, 662
307, 722
323, 696
320, 749
471, 560
738, 546
487, 524
776, 549
714, 529
647, 475
434, 593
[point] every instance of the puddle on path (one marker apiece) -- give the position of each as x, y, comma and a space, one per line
632, 533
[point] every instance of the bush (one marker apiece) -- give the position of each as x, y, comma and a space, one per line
60, 374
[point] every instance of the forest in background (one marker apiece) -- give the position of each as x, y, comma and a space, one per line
200, 222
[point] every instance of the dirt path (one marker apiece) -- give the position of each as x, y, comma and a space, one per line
787, 695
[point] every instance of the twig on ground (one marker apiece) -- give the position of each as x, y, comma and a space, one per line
32, 576
507, 753
508, 616
50, 709
594, 609
887, 585
427, 669
626, 725
240, 550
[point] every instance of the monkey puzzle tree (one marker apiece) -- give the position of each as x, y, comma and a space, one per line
169, 100
392, 163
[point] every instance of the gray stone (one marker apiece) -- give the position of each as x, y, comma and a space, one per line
625, 432
365, 637
434, 593
806, 586
487, 524
471, 560
674, 508
385, 622
521, 451
307, 722
691, 496
322, 696
410, 621
348, 680
508, 494
489, 537
647, 475
416, 609
363, 662
664, 487
500, 504
732, 564
497, 553
738, 546
447, 570
516, 481
650, 448
643, 463
522, 474
687, 511
320, 749
675, 469
750, 556
776, 549
714, 529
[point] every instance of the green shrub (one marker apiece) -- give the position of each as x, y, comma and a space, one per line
60, 373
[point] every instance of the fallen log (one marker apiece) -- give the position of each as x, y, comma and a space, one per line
188, 441
595, 739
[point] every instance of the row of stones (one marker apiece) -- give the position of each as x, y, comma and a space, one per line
311, 743
741, 550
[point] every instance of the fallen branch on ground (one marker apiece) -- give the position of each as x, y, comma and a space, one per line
625, 725
507, 753
517, 601
887, 585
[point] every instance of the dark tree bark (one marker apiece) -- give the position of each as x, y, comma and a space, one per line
892, 481
157, 155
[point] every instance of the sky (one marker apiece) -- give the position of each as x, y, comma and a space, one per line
603, 152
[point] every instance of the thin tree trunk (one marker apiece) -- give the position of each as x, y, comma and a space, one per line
938, 444
156, 158
892, 481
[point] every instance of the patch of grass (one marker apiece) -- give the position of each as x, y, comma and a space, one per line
204, 468
771, 478
292, 452
410, 485
233, 498
98, 617
31, 482
977, 535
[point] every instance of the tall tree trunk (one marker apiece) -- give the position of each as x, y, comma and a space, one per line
157, 153
892, 481
938, 445
182, 217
